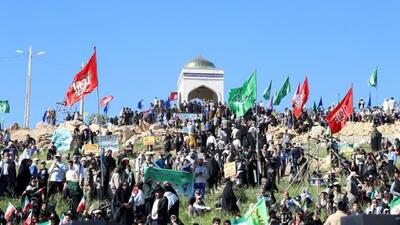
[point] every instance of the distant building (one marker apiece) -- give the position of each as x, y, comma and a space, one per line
200, 79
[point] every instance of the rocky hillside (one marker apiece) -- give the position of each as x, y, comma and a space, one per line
357, 133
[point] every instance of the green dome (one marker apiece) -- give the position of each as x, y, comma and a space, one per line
200, 63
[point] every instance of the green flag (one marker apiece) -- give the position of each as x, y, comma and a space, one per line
285, 90
181, 181
242, 99
258, 214
240, 221
267, 92
373, 79
4, 106
315, 107
45, 223
395, 206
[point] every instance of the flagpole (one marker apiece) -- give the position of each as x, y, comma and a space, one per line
100, 138
82, 99
257, 135
377, 93
352, 115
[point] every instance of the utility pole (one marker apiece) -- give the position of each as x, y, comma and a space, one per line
28, 83
28, 89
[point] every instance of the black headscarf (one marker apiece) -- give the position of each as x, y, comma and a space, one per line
168, 187
229, 199
121, 215
24, 176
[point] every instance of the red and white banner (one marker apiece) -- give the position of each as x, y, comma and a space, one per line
301, 99
337, 118
105, 100
85, 81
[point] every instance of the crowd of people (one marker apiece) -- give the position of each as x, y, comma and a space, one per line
202, 145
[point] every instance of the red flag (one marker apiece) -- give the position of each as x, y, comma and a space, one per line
173, 96
337, 118
105, 100
85, 81
301, 99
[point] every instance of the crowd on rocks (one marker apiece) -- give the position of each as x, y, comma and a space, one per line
204, 143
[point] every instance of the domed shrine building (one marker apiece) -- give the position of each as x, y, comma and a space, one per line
200, 79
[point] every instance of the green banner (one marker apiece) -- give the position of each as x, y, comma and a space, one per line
267, 92
4, 106
258, 214
240, 221
285, 90
373, 79
182, 182
242, 99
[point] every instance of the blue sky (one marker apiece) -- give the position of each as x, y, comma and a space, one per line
142, 46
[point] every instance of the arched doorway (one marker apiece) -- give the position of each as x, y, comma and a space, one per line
203, 93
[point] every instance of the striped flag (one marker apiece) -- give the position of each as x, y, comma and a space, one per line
40, 191
395, 206
26, 204
105, 100
81, 205
9, 212
28, 220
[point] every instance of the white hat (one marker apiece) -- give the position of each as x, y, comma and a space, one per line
97, 211
35, 159
58, 154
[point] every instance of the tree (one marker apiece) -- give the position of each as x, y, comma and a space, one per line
103, 119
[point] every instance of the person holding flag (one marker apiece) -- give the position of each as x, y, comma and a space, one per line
73, 190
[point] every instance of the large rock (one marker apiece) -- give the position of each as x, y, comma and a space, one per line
96, 127
42, 125
317, 131
71, 125
42, 135
14, 126
126, 133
